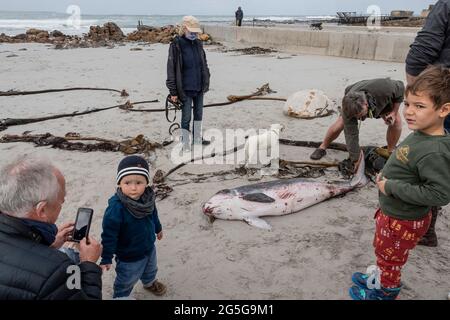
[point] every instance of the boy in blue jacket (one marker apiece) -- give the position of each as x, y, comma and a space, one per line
130, 227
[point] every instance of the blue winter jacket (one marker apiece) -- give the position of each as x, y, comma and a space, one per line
125, 236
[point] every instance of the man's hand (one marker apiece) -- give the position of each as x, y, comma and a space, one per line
381, 182
174, 99
159, 235
389, 118
90, 251
63, 235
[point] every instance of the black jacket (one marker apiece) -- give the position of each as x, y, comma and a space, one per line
432, 44
174, 80
30, 270
239, 14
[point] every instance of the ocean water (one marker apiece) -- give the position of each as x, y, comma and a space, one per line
13, 23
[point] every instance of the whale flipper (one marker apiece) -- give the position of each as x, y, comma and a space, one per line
257, 222
258, 197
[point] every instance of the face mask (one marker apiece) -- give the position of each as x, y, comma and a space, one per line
191, 35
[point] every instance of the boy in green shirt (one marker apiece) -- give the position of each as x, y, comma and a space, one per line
415, 178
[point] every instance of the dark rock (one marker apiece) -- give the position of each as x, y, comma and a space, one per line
56, 34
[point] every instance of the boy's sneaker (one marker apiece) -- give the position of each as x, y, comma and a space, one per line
358, 293
360, 279
157, 288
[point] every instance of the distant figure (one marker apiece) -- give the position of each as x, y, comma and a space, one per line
239, 16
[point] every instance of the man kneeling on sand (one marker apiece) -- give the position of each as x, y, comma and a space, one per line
377, 98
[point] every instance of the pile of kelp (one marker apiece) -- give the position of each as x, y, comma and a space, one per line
75, 142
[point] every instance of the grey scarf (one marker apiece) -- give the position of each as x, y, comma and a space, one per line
139, 208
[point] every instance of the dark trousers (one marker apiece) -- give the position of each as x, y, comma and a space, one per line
186, 115
238, 22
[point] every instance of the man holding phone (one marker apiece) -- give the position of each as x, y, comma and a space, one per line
32, 192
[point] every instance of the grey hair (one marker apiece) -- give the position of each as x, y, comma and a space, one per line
352, 103
24, 183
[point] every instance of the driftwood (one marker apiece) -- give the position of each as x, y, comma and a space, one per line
131, 146
123, 93
252, 50
160, 176
162, 190
206, 105
265, 89
129, 106
287, 170
313, 144
9, 122
308, 163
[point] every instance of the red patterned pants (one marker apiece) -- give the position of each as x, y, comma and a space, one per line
393, 240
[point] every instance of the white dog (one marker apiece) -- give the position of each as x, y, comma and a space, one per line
258, 148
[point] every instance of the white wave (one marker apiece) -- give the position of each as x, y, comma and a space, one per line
281, 19
320, 17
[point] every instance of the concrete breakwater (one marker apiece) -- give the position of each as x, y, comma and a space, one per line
388, 44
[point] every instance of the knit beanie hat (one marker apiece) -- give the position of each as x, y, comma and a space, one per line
133, 165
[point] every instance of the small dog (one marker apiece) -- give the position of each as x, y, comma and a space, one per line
259, 142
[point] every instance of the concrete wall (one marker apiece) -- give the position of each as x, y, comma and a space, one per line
356, 44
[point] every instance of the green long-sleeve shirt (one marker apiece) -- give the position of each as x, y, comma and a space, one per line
418, 177
385, 93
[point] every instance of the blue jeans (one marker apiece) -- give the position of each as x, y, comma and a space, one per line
186, 115
129, 273
447, 124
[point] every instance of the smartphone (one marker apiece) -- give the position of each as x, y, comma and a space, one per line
82, 224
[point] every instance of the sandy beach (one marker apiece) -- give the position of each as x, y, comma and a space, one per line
307, 255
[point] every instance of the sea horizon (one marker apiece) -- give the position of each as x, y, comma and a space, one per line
16, 22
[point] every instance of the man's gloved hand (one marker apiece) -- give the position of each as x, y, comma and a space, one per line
383, 152
346, 167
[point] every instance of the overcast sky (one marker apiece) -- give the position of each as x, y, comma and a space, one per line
214, 7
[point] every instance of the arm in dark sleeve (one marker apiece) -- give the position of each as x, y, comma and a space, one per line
351, 132
171, 81
428, 44
156, 221
433, 191
398, 92
110, 234
206, 62
58, 286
